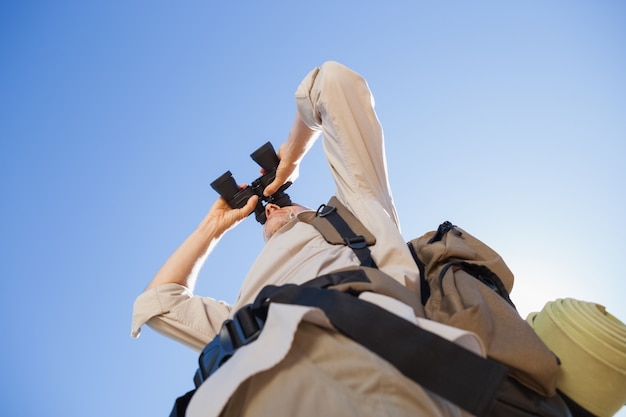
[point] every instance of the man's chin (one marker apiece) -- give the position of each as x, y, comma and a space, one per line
273, 224
270, 227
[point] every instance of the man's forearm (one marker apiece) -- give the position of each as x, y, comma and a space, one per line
183, 266
299, 141
291, 152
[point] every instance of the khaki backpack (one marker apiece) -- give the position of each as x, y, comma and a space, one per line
465, 284
469, 285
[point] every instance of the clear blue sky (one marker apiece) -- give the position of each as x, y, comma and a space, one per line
507, 118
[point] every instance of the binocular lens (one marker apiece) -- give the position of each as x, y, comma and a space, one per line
266, 157
225, 186
260, 216
281, 199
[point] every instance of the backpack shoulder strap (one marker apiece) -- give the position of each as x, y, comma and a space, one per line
339, 226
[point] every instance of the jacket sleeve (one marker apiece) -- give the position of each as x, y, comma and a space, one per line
338, 101
172, 310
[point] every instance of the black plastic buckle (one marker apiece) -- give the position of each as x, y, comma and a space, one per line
356, 242
244, 328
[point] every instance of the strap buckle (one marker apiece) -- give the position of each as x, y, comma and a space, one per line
244, 328
355, 242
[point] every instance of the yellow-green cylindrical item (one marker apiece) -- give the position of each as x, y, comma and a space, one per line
591, 344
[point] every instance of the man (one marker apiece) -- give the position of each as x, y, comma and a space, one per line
299, 366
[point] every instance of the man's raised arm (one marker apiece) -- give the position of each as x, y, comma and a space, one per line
183, 265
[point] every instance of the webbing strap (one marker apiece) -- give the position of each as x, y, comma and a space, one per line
440, 366
356, 242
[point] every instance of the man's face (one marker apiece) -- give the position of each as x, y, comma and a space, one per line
278, 216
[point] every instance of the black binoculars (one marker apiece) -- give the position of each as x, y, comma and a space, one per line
236, 197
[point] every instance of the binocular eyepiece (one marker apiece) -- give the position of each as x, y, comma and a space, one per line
267, 159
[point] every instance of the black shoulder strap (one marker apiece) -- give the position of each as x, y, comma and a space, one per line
340, 227
452, 372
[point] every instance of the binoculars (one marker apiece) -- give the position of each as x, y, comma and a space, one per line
236, 197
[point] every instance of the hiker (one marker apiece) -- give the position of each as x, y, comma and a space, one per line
300, 366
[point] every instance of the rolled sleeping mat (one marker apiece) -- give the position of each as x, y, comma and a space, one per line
591, 344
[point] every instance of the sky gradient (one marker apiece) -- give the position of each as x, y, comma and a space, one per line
508, 120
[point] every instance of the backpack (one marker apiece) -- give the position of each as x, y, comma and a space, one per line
468, 287
466, 284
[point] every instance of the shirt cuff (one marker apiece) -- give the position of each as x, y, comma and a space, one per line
154, 302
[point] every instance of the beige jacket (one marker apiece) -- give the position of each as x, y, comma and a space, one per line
338, 102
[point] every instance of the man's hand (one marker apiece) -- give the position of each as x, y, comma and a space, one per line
286, 171
224, 218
